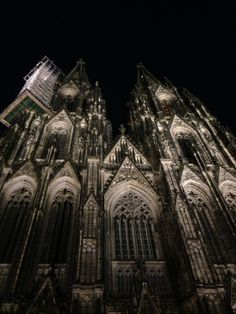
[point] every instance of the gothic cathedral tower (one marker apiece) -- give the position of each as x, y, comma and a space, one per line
144, 223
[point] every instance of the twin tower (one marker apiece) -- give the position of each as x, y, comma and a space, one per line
144, 223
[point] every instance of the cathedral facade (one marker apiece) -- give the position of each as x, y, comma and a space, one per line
140, 223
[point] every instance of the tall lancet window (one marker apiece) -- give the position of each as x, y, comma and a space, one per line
187, 149
228, 190
133, 229
59, 229
14, 219
58, 141
206, 222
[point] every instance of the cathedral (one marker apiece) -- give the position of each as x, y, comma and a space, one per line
144, 222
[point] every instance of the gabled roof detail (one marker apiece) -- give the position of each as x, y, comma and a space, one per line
178, 122
129, 172
189, 175
225, 175
27, 169
122, 148
46, 295
61, 117
66, 171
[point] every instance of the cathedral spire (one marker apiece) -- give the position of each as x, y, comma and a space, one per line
78, 74
145, 77
145, 224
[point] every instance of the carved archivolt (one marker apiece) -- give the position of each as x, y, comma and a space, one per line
63, 196
65, 181
20, 181
143, 191
197, 187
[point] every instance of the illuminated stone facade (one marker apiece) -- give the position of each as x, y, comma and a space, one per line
141, 224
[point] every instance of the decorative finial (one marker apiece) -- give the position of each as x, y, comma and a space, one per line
81, 62
139, 65
96, 83
122, 129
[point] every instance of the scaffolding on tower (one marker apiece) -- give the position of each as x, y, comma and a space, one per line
41, 80
36, 93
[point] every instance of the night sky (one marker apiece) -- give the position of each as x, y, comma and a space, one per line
192, 43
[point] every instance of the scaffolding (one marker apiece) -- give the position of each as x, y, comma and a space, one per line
40, 81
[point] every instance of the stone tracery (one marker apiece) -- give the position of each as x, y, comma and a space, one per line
133, 227
60, 223
14, 217
205, 220
58, 140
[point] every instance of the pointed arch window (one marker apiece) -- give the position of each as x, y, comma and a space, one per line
205, 221
187, 150
59, 231
58, 140
133, 229
186, 145
14, 219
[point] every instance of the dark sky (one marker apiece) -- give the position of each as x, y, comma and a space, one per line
190, 42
